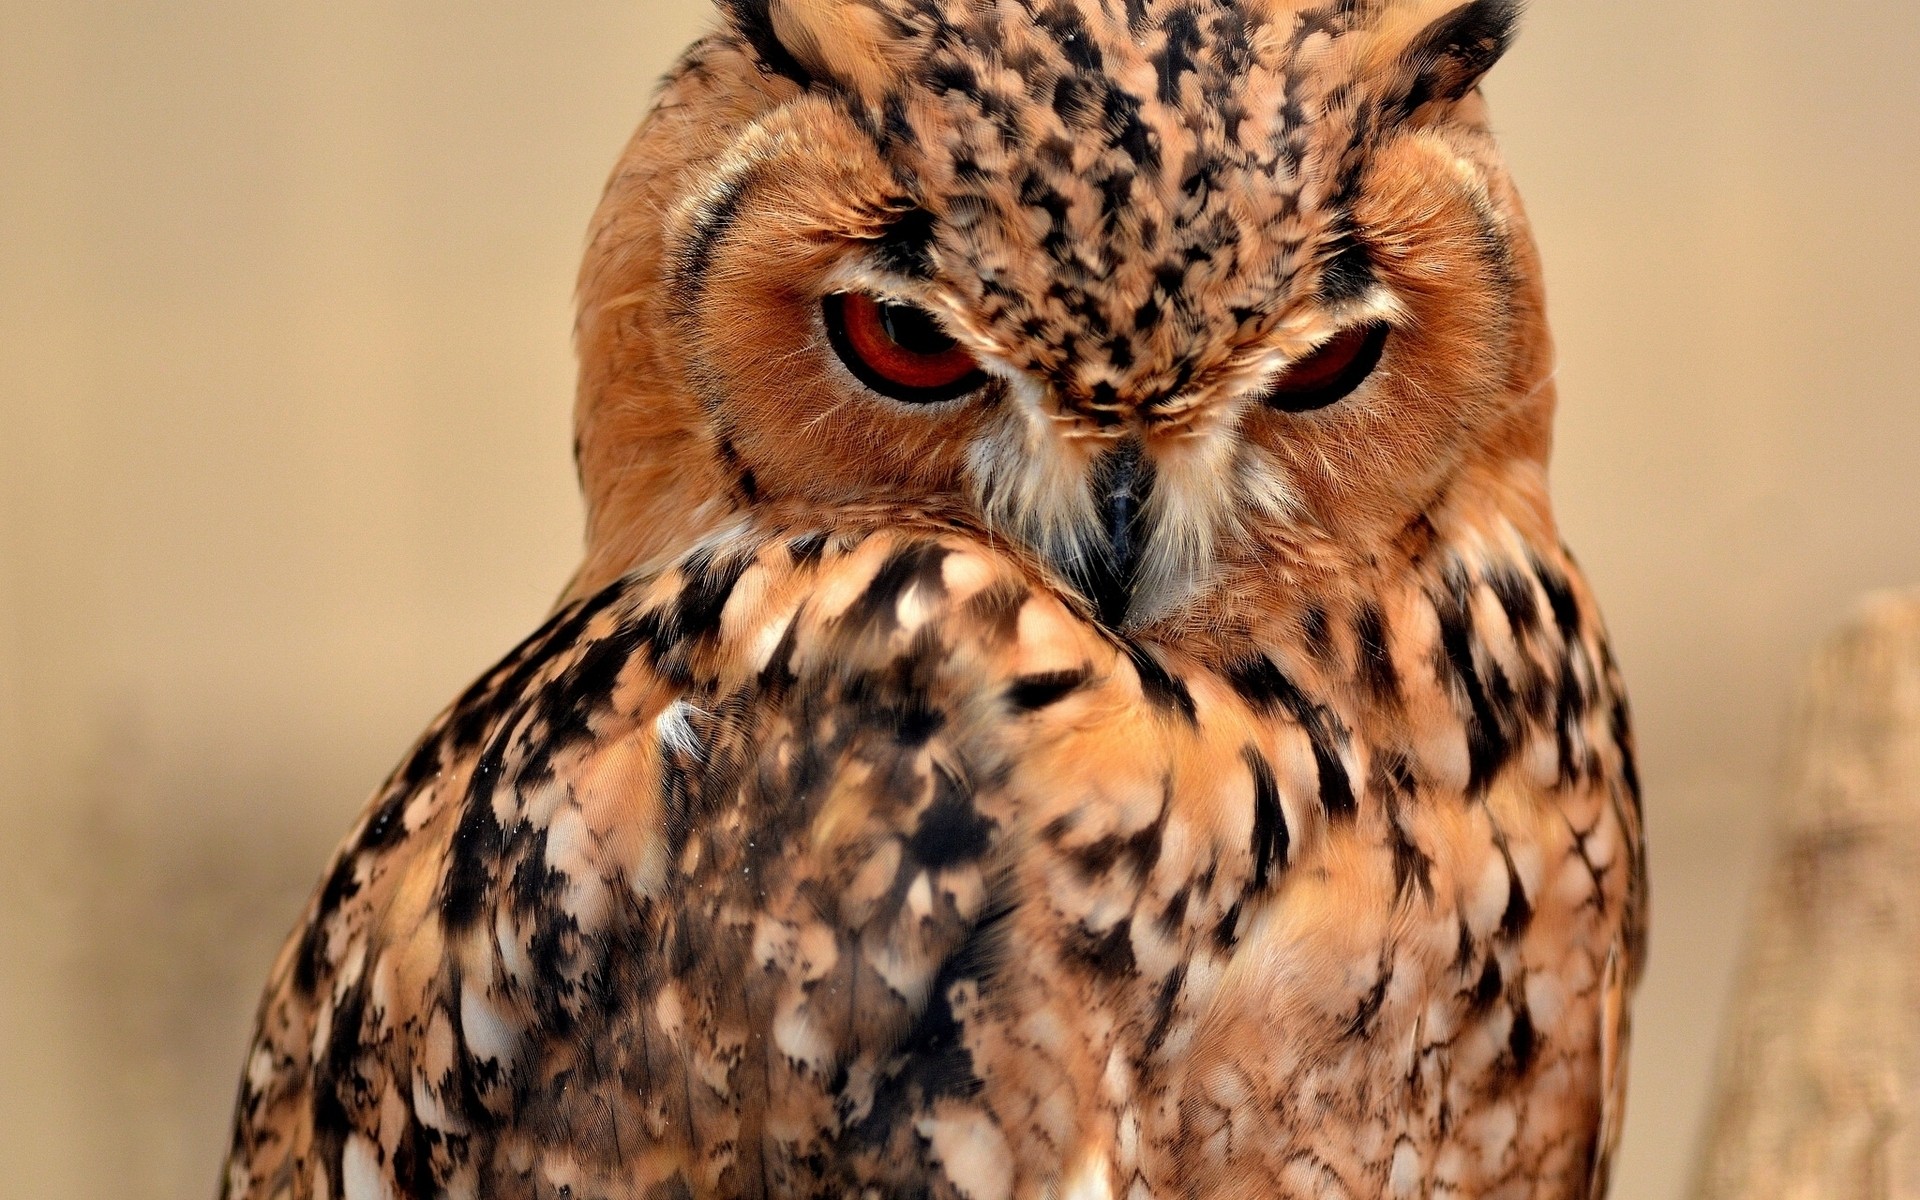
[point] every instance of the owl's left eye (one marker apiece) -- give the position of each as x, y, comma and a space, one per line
897, 349
1334, 369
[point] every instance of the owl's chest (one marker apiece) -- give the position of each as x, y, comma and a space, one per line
1408, 991
1423, 1003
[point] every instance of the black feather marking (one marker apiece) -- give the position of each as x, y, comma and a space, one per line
1175, 914
387, 825
1393, 782
1226, 934
1161, 687
1317, 633
1464, 950
1516, 600
1139, 850
1127, 133
1258, 681
932, 1060
1165, 1005
1519, 911
704, 592
914, 564
1265, 687
421, 764
337, 1075
1176, 56
413, 1159
342, 885
1108, 954
1030, 693
936, 1053
1488, 987
477, 842
1271, 840
567, 704
806, 548
1375, 656
1489, 744
1361, 1023
1566, 610
896, 129
778, 676
498, 692
1336, 788
1522, 1040
1570, 711
694, 262
951, 831
1621, 725
906, 246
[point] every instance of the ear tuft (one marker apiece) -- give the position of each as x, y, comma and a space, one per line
753, 21
1448, 58
848, 45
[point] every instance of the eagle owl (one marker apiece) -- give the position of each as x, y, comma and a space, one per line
1074, 690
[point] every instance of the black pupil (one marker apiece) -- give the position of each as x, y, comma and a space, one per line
912, 329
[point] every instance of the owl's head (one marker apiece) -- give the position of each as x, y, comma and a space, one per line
1162, 291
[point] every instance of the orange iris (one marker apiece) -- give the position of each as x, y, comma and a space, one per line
898, 350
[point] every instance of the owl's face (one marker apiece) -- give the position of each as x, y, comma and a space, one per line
1155, 291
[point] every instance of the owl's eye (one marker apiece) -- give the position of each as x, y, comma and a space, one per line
897, 349
1332, 371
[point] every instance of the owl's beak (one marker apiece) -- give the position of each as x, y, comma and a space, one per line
1105, 573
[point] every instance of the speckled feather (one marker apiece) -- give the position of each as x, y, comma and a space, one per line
825, 842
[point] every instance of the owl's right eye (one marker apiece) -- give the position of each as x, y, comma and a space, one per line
897, 349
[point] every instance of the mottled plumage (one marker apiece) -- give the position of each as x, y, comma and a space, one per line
1111, 782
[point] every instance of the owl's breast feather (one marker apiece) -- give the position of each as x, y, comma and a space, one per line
865, 859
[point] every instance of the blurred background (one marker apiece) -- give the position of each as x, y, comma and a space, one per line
284, 429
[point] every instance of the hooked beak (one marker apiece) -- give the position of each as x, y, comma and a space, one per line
1106, 571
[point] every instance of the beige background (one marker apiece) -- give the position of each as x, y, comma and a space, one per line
284, 380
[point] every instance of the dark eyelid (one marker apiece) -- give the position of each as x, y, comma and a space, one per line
1347, 273
905, 248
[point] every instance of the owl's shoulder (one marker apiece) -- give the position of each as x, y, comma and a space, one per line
665, 739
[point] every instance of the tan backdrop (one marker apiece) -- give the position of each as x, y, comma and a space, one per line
284, 381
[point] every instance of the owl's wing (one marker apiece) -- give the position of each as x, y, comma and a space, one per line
687, 891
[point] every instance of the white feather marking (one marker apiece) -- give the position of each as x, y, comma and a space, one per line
260, 1069
571, 851
487, 1034
972, 1151
513, 955
964, 575
1403, 1176
674, 728
427, 1108
795, 1034
360, 1175
1092, 1180
766, 639
913, 609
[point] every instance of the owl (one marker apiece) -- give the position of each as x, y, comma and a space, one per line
1073, 690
